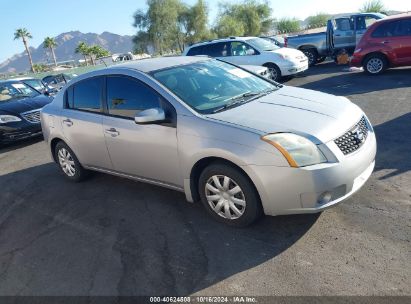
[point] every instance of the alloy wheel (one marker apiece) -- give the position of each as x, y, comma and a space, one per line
273, 73
225, 197
66, 162
375, 65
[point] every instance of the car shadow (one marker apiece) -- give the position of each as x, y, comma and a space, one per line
351, 83
112, 236
394, 146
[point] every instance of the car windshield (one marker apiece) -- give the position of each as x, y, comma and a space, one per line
211, 86
35, 83
13, 90
262, 44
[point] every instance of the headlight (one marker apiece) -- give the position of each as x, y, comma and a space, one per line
298, 150
357, 51
286, 57
8, 118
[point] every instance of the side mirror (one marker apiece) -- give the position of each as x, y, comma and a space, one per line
46, 93
150, 116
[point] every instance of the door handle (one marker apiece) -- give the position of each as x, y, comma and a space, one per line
385, 42
68, 122
113, 132
337, 35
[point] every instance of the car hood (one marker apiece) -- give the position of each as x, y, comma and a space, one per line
301, 111
17, 106
293, 53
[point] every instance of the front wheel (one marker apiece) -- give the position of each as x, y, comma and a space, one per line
375, 64
312, 56
274, 71
228, 195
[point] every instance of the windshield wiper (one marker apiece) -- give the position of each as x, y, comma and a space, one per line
243, 98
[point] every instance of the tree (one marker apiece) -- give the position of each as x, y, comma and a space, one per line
83, 49
50, 43
24, 34
229, 26
318, 20
372, 6
160, 23
288, 25
97, 51
40, 67
197, 23
254, 15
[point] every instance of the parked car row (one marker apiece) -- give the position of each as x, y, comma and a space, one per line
253, 51
375, 41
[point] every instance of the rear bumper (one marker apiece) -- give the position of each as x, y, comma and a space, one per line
356, 61
286, 190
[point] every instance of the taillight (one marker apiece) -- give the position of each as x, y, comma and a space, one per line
285, 41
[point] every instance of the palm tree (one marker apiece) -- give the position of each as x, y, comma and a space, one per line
50, 43
83, 49
24, 34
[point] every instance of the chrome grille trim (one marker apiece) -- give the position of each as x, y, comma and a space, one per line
32, 116
353, 139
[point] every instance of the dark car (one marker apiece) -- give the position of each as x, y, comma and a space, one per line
37, 84
20, 107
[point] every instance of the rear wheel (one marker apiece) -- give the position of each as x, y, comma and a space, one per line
68, 162
228, 195
274, 71
312, 56
375, 64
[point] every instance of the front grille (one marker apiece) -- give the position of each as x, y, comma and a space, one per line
32, 116
353, 139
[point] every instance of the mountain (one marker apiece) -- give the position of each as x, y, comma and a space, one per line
66, 44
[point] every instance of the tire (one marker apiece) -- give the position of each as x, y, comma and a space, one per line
375, 64
312, 56
274, 70
68, 163
215, 191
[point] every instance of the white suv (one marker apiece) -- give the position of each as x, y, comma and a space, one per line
253, 51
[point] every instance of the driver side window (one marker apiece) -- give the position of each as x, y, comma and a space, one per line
126, 97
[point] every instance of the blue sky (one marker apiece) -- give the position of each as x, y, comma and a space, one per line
50, 17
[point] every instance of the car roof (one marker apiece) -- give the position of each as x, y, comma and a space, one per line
234, 38
397, 16
152, 64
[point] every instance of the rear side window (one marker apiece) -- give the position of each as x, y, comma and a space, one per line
126, 96
216, 49
86, 95
396, 28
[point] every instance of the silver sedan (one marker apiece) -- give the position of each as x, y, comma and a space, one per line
242, 145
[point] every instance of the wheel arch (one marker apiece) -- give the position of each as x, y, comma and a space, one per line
53, 144
376, 53
202, 163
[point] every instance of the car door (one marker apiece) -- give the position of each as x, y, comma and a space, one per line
343, 33
402, 38
82, 122
242, 53
143, 150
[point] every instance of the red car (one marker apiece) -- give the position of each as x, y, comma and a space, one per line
385, 44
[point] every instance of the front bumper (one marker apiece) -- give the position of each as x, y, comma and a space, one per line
356, 60
294, 68
286, 190
16, 131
